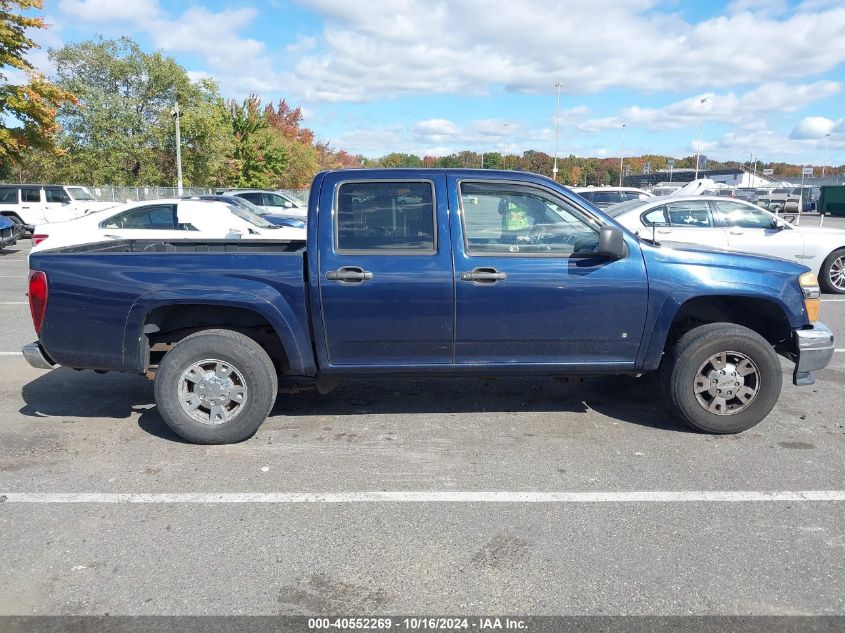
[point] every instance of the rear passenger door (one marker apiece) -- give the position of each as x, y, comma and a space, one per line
32, 207
686, 221
385, 271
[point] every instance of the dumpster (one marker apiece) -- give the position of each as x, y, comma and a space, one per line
832, 200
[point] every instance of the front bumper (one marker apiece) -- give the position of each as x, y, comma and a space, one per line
813, 350
35, 356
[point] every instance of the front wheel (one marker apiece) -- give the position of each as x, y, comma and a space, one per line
832, 272
721, 378
215, 387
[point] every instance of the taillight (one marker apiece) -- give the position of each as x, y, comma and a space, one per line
38, 238
37, 298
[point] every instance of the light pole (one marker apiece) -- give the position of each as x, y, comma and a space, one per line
622, 156
176, 113
558, 85
504, 155
700, 126
824, 164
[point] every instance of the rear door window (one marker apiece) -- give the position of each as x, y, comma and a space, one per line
692, 213
158, 216
383, 217
30, 194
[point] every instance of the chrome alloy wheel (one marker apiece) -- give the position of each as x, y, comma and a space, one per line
212, 391
727, 383
836, 274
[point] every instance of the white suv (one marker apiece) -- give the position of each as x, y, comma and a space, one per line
43, 204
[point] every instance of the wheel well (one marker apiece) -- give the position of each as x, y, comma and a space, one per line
12, 214
761, 315
167, 325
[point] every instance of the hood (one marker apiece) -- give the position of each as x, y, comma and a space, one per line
715, 258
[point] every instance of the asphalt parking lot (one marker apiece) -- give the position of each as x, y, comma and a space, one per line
479, 548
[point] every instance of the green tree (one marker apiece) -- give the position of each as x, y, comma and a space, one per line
123, 132
259, 155
27, 109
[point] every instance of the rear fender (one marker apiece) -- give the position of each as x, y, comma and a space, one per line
292, 331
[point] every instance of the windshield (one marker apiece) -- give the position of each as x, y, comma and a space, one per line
622, 207
246, 204
80, 193
252, 218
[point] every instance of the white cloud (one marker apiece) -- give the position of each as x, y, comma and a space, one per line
243, 65
813, 127
110, 10
746, 109
478, 46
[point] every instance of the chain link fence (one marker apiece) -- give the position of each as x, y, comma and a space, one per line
108, 193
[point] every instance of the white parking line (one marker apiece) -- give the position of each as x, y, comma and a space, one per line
14, 303
833, 300
11, 353
709, 496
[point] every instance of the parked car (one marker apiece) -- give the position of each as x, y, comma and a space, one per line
788, 199
274, 202
279, 220
603, 197
161, 220
741, 226
40, 204
428, 271
10, 232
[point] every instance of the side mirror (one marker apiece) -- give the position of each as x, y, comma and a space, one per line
611, 243
288, 204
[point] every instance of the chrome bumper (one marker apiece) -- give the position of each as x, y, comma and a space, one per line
36, 357
813, 350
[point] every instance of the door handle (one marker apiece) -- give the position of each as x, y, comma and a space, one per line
349, 275
664, 231
737, 232
483, 276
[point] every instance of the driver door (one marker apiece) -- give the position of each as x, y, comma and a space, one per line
753, 230
58, 207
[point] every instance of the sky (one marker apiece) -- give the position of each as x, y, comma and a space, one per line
431, 77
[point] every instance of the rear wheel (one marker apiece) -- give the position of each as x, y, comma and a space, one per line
721, 378
832, 272
215, 387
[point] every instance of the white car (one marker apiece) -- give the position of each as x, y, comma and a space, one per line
162, 220
736, 225
603, 197
274, 202
39, 204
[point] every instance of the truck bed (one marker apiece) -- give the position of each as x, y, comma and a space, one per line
101, 294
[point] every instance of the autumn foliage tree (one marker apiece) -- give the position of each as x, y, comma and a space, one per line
28, 102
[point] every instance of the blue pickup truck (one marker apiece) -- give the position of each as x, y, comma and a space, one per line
415, 272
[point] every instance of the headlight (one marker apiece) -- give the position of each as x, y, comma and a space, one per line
812, 295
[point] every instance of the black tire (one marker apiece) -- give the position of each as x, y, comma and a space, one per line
827, 285
251, 366
693, 351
